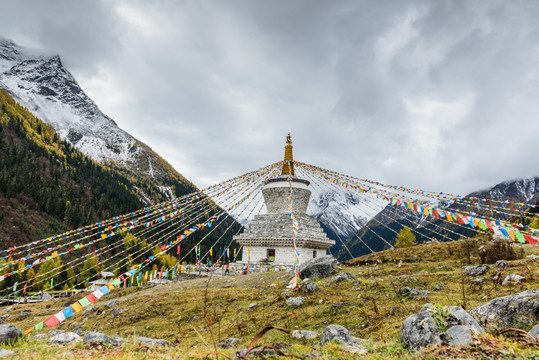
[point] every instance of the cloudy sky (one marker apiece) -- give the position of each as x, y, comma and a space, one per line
439, 95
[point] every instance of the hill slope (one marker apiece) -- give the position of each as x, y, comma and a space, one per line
196, 314
50, 92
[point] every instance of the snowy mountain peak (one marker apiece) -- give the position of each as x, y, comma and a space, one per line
517, 190
45, 87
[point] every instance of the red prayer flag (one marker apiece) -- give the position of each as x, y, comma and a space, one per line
530, 239
179, 249
52, 321
91, 298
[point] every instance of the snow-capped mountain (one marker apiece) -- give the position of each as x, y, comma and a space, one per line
343, 212
522, 190
45, 87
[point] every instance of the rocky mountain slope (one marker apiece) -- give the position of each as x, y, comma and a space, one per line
45, 87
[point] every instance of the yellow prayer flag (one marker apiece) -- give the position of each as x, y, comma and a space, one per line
76, 307
110, 286
54, 254
103, 236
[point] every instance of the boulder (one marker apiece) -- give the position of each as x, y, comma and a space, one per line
149, 341
516, 278
295, 301
78, 331
319, 267
229, 343
406, 292
24, 314
310, 288
117, 312
6, 352
535, 331
516, 310
477, 270
438, 287
341, 277
304, 334
55, 332
65, 339
97, 338
342, 336
501, 263
263, 353
9, 333
459, 335
458, 316
252, 306
478, 280
40, 336
420, 330
112, 303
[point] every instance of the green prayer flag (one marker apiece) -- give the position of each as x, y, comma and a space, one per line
116, 282
39, 326
84, 302
520, 237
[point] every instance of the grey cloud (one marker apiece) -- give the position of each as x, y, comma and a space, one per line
434, 95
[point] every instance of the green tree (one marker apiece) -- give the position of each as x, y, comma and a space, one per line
405, 238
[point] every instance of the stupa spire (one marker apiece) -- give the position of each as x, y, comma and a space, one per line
288, 165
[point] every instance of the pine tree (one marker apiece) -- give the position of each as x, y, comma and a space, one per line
405, 238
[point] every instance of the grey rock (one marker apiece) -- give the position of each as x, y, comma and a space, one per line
149, 341
336, 333
520, 309
305, 281
229, 343
459, 335
55, 332
533, 257
6, 352
342, 336
194, 318
252, 306
438, 287
304, 334
406, 292
354, 348
118, 339
319, 267
501, 263
9, 333
78, 331
112, 303
97, 338
65, 339
310, 288
40, 336
419, 330
341, 277
534, 331
513, 277
476, 270
23, 314
240, 354
3, 317
295, 301
458, 316
90, 309
478, 280
117, 312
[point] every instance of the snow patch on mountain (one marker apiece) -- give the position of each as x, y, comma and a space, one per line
344, 211
42, 84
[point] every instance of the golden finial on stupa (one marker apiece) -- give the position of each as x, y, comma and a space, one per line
288, 165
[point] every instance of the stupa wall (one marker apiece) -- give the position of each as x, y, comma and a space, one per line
276, 199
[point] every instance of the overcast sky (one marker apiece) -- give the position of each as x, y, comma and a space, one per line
439, 95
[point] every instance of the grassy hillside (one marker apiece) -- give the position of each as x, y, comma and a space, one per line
195, 314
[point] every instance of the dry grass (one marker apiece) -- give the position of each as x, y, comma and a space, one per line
371, 309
